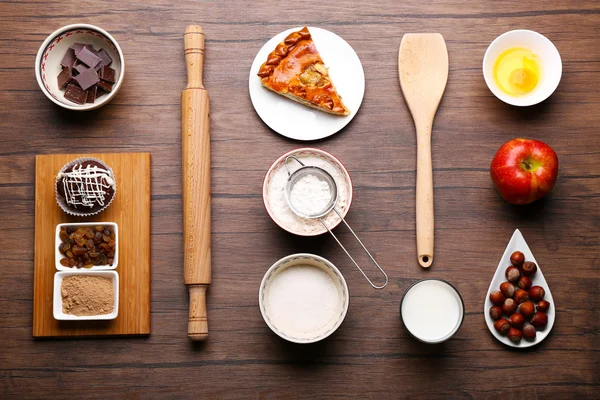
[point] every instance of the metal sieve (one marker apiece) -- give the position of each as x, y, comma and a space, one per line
324, 176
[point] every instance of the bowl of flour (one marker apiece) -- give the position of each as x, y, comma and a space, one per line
274, 191
303, 298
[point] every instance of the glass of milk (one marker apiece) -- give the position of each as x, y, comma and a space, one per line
432, 310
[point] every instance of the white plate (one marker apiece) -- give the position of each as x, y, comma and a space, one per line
517, 242
297, 121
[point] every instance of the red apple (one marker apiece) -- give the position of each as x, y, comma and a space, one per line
524, 170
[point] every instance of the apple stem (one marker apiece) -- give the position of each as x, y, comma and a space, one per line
526, 165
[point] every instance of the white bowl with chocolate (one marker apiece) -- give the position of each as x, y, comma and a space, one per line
86, 295
80, 67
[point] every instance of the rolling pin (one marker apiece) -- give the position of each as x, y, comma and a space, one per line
195, 145
423, 73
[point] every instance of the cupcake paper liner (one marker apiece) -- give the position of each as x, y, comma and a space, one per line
61, 201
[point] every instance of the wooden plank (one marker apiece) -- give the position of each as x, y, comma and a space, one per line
131, 211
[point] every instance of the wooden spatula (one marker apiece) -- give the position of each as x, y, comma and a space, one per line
423, 72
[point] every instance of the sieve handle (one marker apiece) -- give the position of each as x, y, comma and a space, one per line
349, 256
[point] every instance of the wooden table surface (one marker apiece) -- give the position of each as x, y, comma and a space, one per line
371, 355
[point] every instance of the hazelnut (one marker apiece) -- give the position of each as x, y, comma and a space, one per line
529, 268
495, 312
514, 335
529, 332
539, 320
521, 296
517, 320
509, 306
507, 289
524, 282
543, 306
502, 325
517, 258
497, 298
512, 274
536, 293
527, 308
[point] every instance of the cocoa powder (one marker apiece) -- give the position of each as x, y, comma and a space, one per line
87, 295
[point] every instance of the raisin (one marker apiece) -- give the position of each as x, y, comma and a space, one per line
90, 244
78, 250
110, 261
63, 247
65, 262
63, 235
70, 229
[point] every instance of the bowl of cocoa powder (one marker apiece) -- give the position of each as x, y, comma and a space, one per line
86, 295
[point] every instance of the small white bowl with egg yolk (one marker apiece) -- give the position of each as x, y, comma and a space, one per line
522, 67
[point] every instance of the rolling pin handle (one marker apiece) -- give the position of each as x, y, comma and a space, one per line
193, 40
197, 321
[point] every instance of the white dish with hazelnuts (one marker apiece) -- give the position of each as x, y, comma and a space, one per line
518, 308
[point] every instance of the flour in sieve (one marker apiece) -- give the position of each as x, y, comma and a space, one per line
280, 209
310, 195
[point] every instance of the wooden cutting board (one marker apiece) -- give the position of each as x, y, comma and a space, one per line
131, 211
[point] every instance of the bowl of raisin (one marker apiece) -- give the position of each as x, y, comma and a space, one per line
87, 245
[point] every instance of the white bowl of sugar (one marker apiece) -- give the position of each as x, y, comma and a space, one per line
303, 298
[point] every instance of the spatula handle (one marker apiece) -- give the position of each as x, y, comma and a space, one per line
424, 197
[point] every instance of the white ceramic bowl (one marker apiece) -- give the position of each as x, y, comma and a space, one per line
550, 65
57, 303
57, 241
51, 52
295, 334
331, 219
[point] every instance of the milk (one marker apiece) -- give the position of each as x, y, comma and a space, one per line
432, 310
303, 299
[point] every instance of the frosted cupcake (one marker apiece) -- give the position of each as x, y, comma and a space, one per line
85, 187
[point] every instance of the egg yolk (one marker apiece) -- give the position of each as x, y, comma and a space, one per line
517, 71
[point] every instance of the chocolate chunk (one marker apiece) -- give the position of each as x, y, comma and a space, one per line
91, 94
69, 58
78, 46
106, 60
65, 77
87, 78
108, 74
106, 86
75, 94
88, 58
81, 68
